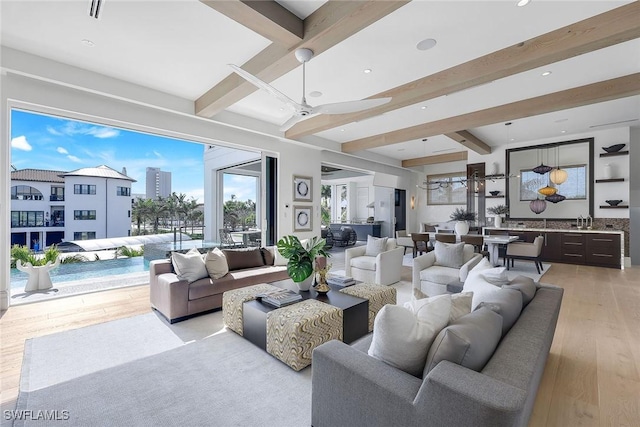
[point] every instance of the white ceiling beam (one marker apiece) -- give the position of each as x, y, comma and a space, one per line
600, 31
328, 26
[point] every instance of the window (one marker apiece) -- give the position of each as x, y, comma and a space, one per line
84, 189
84, 235
447, 189
57, 194
344, 202
325, 204
123, 191
27, 218
574, 188
25, 192
84, 214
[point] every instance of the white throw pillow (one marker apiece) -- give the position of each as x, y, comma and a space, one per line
278, 258
375, 245
216, 263
402, 339
484, 264
189, 266
496, 276
460, 303
481, 288
449, 254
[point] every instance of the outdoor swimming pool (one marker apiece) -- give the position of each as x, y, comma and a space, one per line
86, 270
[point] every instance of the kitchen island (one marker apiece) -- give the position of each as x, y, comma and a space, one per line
362, 229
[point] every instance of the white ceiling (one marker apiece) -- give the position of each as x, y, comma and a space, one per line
182, 47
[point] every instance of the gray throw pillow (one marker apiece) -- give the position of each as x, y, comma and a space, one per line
449, 254
469, 341
507, 303
526, 285
375, 245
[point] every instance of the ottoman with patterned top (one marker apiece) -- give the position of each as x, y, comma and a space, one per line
294, 331
233, 300
378, 296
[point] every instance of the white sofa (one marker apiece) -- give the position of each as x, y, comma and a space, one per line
383, 269
433, 279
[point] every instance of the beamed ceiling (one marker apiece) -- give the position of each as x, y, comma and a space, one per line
486, 67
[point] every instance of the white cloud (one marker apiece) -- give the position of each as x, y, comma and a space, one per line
74, 159
102, 132
53, 131
21, 143
196, 193
157, 154
62, 150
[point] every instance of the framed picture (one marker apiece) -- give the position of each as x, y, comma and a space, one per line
302, 218
302, 186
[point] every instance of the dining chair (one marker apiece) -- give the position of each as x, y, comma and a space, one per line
226, 240
420, 243
526, 251
446, 238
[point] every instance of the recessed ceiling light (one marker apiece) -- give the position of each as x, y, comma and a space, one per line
563, 131
367, 71
426, 44
512, 139
546, 73
424, 107
341, 130
315, 94
281, 108
88, 42
522, 3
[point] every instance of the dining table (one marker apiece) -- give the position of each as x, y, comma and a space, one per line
493, 242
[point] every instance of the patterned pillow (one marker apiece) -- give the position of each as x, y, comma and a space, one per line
449, 254
375, 245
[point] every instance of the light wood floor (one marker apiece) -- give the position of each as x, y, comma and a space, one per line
592, 375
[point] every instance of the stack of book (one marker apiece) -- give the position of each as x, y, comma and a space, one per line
341, 281
279, 298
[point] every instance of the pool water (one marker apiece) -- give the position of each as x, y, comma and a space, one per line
86, 270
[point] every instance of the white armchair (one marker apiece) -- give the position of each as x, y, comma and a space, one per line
432, 279
382, 269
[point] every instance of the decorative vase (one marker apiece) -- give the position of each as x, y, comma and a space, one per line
462, 228
305, 284
606, 171
497, 221
321, 286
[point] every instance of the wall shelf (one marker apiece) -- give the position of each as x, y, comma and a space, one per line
499, 175
494, 197
614, 207
617, 153
610, 180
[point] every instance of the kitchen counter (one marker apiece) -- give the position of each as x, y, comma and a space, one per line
597, 247
362, 229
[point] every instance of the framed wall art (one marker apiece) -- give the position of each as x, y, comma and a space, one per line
302, 186
302, 218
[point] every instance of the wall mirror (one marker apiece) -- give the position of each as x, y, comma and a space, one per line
524, 180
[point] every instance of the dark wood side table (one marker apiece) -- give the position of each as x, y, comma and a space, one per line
355, 316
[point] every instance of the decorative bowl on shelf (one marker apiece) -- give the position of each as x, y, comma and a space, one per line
494, 193
614, 148
613, 202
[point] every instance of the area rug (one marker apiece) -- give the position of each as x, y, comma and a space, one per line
219, 380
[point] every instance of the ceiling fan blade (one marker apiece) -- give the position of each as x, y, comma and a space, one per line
266, 87
349, 106
289, 123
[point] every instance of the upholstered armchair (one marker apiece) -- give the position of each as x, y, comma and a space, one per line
447, 264
526, 251
384, 268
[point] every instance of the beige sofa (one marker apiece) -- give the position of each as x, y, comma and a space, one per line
178, 300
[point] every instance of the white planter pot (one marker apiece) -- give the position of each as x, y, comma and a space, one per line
305, 285
606, 171
497, 221
462, 228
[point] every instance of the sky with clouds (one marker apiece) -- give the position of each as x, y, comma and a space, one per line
52, 143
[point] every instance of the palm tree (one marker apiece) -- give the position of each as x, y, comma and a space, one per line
140, 211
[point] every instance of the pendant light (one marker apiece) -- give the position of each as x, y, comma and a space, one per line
537, 206
542, 169
558, 176
547, 191
555, 198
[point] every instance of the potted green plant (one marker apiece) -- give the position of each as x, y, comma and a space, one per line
301, 258
462, 218
36, 267
498, 211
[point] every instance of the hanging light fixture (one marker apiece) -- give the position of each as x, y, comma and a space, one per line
537, 206
547, 191
555, 198
558, 176
542, 169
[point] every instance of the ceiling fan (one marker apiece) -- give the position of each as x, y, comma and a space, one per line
303, 110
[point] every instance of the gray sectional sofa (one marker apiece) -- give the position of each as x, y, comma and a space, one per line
178, 300
350, 388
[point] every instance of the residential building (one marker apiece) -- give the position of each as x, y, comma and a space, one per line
48, 207
158, 183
